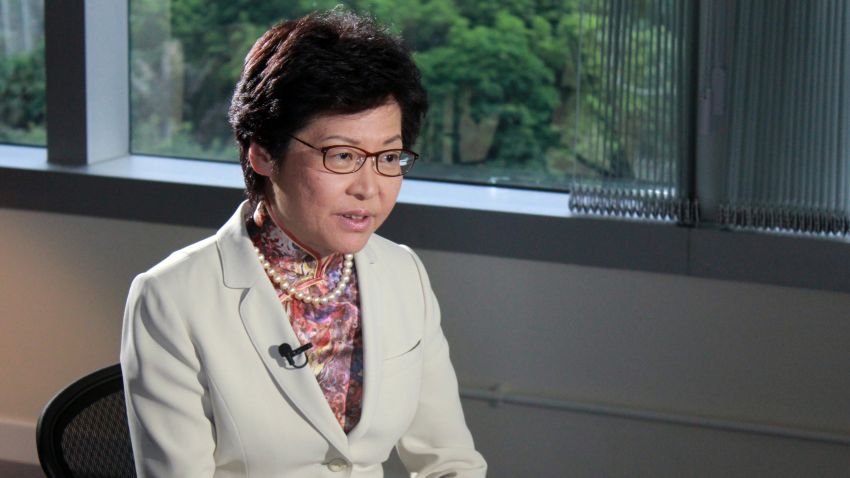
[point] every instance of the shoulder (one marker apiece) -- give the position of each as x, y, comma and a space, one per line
398, 257
184, 266
181, 293
402, 268
386, 248
202, 263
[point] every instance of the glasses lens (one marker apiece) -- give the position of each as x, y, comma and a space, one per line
395, 162
343, 159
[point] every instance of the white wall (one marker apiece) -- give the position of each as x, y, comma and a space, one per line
672, 344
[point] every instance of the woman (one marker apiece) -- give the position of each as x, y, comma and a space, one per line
295, 342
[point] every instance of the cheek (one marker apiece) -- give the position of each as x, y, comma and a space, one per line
390, 195
297, 198
320, 193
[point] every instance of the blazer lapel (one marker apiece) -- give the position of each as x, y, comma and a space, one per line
267, 325
371, 313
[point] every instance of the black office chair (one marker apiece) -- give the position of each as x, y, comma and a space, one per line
83, 433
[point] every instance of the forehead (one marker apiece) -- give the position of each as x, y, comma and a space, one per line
379, 123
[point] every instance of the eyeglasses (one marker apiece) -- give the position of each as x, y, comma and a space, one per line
344, 159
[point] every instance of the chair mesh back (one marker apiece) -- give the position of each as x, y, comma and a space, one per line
96, 442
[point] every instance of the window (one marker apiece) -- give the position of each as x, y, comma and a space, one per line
530, 94
22, 82
787, 154
154, 189
634, 116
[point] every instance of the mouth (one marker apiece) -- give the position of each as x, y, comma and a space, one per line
356, 221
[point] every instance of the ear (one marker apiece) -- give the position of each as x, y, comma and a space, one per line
261, 160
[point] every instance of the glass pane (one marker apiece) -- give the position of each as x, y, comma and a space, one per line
503, 81
787, 162
22, 82
634, 127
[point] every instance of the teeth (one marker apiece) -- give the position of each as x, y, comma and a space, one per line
349, 216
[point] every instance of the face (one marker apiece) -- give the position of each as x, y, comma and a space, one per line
326, 211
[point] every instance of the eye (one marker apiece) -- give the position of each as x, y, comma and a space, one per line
343, 156
390, 157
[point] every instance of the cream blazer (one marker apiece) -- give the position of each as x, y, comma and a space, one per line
208, 395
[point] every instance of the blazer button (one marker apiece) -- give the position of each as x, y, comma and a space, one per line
337, 464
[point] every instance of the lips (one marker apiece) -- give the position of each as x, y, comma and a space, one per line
355, 221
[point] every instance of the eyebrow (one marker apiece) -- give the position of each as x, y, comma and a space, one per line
355, 142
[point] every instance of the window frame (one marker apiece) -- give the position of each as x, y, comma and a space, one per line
86, 169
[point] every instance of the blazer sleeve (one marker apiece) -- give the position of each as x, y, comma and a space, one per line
438, 442
167, 405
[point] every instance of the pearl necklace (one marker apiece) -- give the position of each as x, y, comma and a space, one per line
289, 288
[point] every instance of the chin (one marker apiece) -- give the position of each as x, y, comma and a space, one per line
354, 246
351, 248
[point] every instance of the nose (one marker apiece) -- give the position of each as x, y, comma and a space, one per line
365, 181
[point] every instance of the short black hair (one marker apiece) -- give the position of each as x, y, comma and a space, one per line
334, 62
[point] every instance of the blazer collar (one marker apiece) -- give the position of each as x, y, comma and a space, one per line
240, 267
268, 325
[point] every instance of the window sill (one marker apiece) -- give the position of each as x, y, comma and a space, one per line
486, 220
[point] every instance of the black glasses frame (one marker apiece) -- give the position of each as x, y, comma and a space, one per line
367, 155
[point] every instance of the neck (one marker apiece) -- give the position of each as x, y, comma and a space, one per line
275, 217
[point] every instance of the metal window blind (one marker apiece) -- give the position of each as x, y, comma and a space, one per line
788, 158
633, 142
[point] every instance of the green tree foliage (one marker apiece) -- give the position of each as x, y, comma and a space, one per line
186, 56
503, 80
496, 72
22, 98
501, 77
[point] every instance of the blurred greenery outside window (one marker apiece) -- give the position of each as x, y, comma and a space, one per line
520, 92
22, 80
